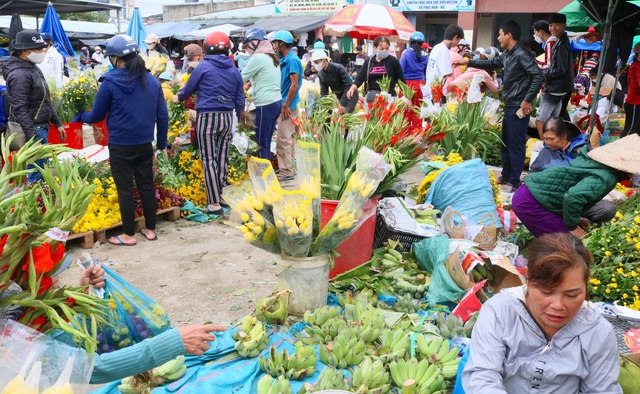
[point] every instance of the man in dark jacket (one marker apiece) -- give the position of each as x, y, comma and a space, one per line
559, 74
335, 77
28, 93
522, 80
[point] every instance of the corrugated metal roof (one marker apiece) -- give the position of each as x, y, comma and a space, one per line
256, 12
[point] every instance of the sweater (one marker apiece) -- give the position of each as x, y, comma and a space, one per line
509, 353
219, 86
265, 79
139, 358
133, 109
569, 190
414, 69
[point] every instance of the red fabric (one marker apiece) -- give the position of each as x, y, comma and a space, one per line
413, 120
633, 79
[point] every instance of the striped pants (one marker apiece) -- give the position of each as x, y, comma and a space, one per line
213, 131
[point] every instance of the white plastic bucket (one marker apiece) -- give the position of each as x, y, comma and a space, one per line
308, 280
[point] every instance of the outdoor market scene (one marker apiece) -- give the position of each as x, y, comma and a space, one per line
281, 197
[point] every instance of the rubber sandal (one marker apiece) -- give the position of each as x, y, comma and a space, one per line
224, 204
217, 212
144, 232
286, 178
120, 242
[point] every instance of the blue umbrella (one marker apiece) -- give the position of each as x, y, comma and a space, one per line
51, 24
136, 29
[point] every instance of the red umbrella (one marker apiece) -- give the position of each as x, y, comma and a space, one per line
367, 21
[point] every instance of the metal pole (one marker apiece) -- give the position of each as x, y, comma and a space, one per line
118, 17
613, 4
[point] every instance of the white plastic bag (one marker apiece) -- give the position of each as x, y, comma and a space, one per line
475, 95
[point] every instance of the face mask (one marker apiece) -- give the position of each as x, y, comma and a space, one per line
383, 54
36, 57
476, 57
151, 46
317, 67
537, 39
193, 63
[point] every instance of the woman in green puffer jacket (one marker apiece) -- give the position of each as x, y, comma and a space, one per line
553, 200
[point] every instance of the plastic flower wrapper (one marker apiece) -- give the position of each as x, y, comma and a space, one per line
371, 169
266, 186
308, 165
257, 230
294, 221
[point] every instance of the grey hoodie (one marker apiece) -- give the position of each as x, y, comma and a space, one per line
510, 353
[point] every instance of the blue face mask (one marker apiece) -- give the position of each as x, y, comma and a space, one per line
476, 57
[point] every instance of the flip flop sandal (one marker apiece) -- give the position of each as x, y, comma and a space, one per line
144, 232
120, 242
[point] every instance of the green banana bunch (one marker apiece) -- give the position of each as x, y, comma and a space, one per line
427, 216
131, 386
321, 315
247, 324
392, 259
366, 295
296, 366
396, 274
251, 344
406, 304
279, 385
402, 287
325, 333
393, 345
169, 371
329, 379
414, 376
274, 308
451, 327
346, 350
467, 327
437, 351
481, 272
368, 319
370, 377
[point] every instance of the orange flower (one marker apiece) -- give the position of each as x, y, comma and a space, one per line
42, 259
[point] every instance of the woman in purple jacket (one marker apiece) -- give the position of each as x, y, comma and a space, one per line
414, 66
219, 87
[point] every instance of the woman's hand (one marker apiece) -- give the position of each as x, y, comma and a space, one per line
63, 133
351, 91
175, 99
94, 276
196, 338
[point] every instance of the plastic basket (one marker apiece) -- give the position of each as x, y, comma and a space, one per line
620, 327
384, 233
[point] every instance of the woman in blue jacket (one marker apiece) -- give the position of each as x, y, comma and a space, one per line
219, 87
414, 66
134, 102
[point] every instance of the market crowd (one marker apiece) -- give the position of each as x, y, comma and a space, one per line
261, 79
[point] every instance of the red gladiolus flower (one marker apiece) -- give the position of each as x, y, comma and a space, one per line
71, 302
58, 254
394, 139
42, 259
3, 242
38, 323
45, 284
436, 137
10, 158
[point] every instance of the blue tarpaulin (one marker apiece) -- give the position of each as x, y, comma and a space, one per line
136, 29
51, 24
582, 45
222, 370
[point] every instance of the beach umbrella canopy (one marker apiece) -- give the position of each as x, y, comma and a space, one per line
15, 27
578, 17
51, 24
136, 29
368, 21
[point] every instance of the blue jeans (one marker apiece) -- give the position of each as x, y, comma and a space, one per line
266, 117
42, 135
514, 136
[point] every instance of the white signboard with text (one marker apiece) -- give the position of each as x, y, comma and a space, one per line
433, 5
309, 6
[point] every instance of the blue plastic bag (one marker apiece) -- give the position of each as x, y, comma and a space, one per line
133, 316
466, 188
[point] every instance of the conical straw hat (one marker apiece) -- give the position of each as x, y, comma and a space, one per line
622, 154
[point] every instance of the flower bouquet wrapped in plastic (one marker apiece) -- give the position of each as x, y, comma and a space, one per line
308, 165
371, 169
257, 229
266, 187
294, 220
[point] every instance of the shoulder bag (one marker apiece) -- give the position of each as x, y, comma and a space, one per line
15, 128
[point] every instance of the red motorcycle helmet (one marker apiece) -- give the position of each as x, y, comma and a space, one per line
216, 41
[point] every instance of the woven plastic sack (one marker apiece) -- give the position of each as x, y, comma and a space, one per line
293, 216
138, 317
371, 169
249, 213
466, 188
308, 166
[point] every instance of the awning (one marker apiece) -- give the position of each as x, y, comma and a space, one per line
294, 24
202, 33
38, 7
94, 42
170, 29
